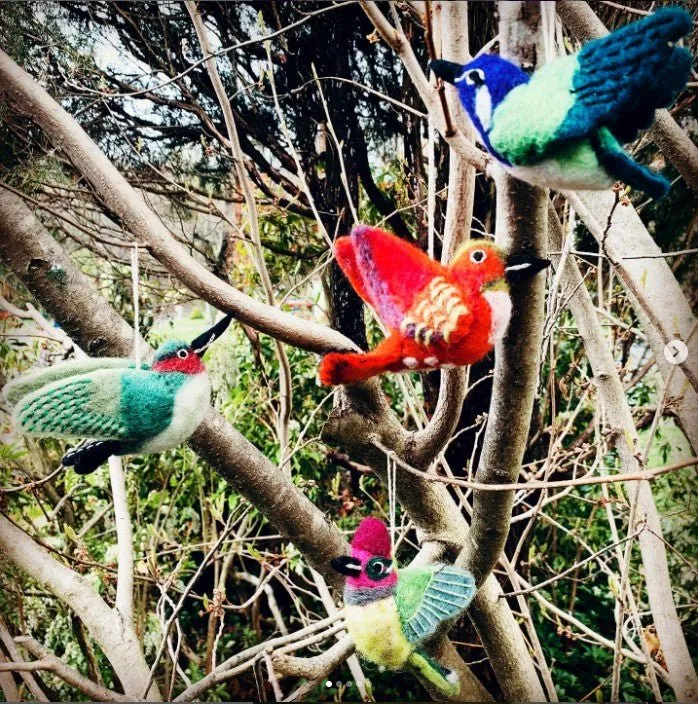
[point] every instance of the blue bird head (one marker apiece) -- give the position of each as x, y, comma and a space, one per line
482, 85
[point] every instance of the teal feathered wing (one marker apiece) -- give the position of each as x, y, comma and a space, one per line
107, 404
624, 77
428, 596
604, 94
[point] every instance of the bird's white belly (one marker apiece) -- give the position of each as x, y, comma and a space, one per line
191, 404
574, 166
500, 307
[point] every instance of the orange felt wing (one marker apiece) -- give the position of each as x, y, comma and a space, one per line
386, 271
440, 313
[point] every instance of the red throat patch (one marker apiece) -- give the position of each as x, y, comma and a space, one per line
190, 365
372, 536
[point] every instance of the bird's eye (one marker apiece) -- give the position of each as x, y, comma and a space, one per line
476, 77
478, 256
182, 354
378, 567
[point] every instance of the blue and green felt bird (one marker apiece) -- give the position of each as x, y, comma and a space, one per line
389, 613
119, 409
563, 126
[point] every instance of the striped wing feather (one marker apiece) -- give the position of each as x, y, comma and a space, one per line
439, 313
83, 406
426, 597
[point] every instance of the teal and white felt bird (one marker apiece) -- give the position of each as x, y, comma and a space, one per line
563, 126
119, 409
389, 613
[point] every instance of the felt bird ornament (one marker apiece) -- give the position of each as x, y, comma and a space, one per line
562, 127
436, 316
119, 409
390, 613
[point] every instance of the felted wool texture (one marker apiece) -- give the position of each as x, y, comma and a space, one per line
525, 123
363, 595
435, 315
447, 681
25, 384
501, 78
426, 597
549, 130
389, 617
124, 404
90, 454
624, 77
372, 536
191, 404
623, 168
376, 631
82, 406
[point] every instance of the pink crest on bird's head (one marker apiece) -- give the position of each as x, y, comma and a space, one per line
372, 537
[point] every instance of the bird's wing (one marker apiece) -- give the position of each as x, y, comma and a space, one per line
25, 384
615, 82
624, 77
428, 596
108, 404
385, 271
440, 312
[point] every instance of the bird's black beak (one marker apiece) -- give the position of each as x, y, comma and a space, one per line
448, 70
520, 266
348, 566
202, 343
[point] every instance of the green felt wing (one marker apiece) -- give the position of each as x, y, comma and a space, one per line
27, 383
428, 596
82, 406
525, 125
108, 404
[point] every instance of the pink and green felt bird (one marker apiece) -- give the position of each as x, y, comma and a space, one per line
118, 409
390, 613
563, 126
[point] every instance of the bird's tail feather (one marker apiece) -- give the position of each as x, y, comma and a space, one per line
624, 168
351, 368
445, 680
86, 457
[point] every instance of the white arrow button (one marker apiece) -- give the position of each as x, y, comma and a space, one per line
676, 352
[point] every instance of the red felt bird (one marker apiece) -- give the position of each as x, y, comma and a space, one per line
437, 316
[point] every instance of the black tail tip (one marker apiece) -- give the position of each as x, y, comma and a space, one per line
88, 456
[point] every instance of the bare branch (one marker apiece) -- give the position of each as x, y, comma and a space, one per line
243, 180
400, 44
48, 661
116, 638
682, 674
521, 226
65, 132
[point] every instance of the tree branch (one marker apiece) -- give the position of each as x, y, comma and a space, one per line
521, 226
120, 197
316, 667
118, 642
284, 413
48, 661
681, 672
396, 39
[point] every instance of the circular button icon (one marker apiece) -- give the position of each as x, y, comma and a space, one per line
675, 352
